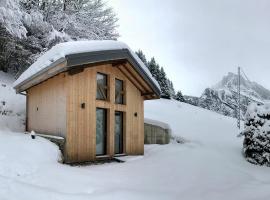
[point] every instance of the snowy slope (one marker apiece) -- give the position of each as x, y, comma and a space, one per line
12, 105
209, 166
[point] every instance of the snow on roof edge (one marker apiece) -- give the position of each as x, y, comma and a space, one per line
61, 50
157, 123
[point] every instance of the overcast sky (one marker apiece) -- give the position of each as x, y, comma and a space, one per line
199, 41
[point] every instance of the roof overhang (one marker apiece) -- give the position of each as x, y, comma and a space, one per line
80, 59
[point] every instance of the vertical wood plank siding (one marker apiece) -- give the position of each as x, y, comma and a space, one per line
46, 107
59, 112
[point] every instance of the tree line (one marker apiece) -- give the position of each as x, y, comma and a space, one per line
28, 28
157, 71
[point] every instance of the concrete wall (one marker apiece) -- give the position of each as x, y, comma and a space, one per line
156, 134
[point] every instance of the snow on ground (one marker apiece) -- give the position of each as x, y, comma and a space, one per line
208, 166
12, 105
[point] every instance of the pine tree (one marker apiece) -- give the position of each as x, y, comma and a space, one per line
166, 85
141, 55
163, 82
171, 88
154, 68
179, 96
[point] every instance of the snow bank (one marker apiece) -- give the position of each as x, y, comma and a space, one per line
21, 156
68, 48
210, 166
12, 105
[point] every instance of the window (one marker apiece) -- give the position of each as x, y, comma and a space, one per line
119, 92
101, 86
101, 131
118, 133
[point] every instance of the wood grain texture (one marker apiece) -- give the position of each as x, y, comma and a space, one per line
59, 101
46, 107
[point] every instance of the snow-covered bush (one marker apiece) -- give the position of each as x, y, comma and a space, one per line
256, 145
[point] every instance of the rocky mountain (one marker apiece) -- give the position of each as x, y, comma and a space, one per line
222, 97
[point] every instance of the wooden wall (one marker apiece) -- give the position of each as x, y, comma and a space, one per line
46, 109
59, 112
81, 126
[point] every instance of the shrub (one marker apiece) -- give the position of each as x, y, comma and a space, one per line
256, 145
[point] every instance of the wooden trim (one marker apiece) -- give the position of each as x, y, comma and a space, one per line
137, 80
41, 76
26, 112
148, 93
75, 70
130, 78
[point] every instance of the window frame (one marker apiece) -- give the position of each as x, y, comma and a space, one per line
105, 148
106, 88
122, 92
121, 142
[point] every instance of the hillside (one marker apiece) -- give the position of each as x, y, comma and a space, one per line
222, 97
12, 105
209, 165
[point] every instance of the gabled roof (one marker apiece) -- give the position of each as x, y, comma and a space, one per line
77, 53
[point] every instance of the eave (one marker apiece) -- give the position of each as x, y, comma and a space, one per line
81, 59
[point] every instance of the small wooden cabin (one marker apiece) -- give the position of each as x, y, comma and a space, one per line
91, 93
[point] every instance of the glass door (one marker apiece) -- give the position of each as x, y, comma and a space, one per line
118, 133
101, 131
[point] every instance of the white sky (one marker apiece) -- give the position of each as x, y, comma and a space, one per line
199, 41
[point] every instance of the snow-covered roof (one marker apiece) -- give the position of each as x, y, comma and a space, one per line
60, 52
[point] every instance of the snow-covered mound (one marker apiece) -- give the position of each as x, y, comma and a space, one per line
222, 98
21, 156
12, 105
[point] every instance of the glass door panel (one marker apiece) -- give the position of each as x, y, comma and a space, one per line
118, 135
101, 129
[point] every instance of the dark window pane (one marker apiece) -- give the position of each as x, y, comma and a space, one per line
101, 86
101, 129
119, 93
118, 135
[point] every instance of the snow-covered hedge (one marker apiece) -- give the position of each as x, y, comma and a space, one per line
256, 145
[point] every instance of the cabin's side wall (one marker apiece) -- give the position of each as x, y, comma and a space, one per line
134, 124
46, 107
81, 122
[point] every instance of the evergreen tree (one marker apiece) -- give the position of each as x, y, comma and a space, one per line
163, 82
154, 68
166, 85
171, 88
179, 96
141, 55
28, 28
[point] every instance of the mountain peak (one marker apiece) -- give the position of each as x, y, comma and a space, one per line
249, 89
230, 81
223, 97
